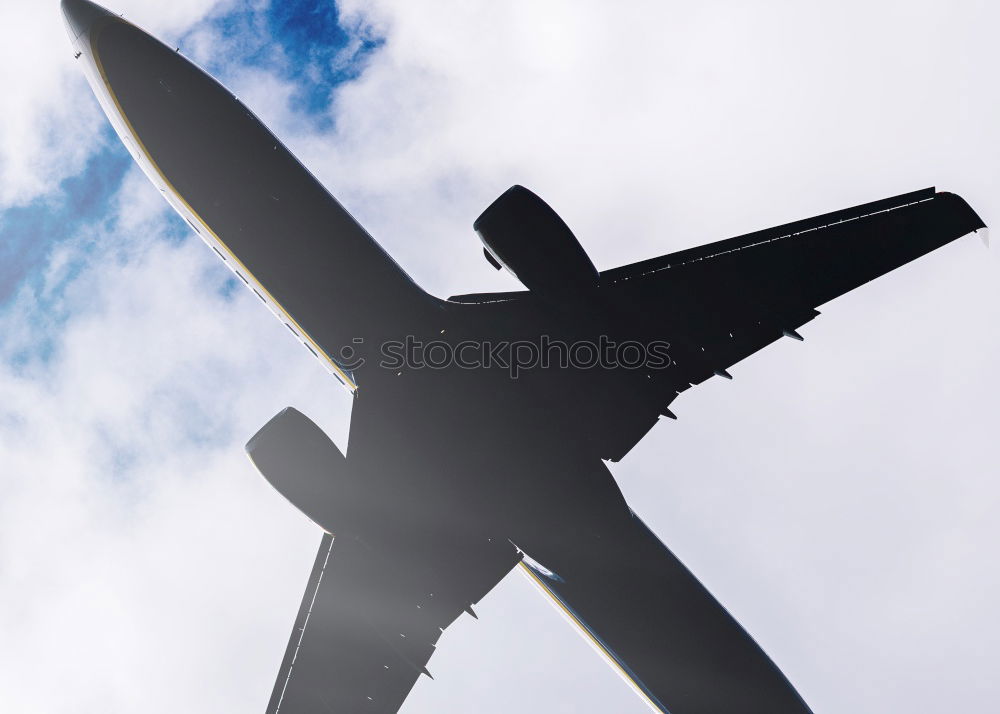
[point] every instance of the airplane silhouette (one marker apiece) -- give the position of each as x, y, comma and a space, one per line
481, 423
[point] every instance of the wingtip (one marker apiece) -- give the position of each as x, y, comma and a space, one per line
984, 235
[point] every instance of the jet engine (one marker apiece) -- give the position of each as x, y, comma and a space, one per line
523, 234
307, 468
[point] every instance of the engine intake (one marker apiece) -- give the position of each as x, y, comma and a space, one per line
522, 233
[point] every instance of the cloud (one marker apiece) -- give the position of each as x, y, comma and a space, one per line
51, 122
126, 425
837, 495
43, 126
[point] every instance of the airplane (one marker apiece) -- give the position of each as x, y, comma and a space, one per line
489, 457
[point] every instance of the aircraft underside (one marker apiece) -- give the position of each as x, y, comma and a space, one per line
458, 472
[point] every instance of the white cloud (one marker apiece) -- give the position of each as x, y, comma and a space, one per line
50, 121
837, 495
47, 113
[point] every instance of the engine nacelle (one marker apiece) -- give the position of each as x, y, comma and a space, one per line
304, 466
522, 233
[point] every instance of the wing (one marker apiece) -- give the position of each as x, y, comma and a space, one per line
719, 303
728, 299
368, 625
637, 604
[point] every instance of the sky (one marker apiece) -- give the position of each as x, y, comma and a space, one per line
838, 496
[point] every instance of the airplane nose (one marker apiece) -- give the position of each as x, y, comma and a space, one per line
81, 15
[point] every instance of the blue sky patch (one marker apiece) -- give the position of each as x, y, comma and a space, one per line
28, 233
304, 43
